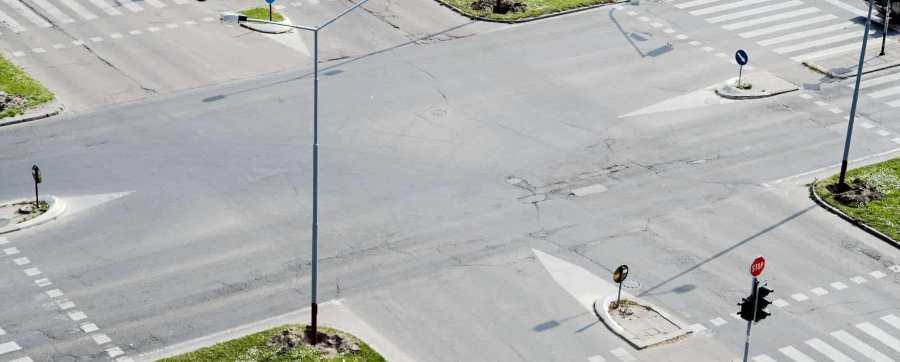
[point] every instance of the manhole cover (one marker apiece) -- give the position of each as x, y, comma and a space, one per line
631, 284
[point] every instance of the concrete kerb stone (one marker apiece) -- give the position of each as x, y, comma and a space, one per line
601, 309
831, 73
267, 28
51, 109
850, 219
539, 17
55, 208
764, 85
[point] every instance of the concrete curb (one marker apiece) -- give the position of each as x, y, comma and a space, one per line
56, 207
630, 338
841, 214
51, 109
539, 17
261, 28
831, 74
724, 93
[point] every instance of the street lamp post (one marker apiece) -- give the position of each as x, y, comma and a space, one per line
841, 185
887, 20
236, 19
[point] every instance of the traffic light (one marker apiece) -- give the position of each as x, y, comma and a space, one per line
746, 312
762, 303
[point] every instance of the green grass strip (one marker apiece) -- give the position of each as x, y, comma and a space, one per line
534, 8
882, 215
14, 81
254, 348
262, 13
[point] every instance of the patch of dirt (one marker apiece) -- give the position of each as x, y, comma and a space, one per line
21, 211
8, 101
859, 194
328, 345
499, 6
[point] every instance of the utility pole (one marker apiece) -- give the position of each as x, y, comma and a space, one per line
841, 185
887, 20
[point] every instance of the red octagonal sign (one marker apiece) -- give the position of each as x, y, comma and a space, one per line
757, 266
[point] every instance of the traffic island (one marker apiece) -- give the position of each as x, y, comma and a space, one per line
286, 343
20, 95
517, 11
755, 85
22, 214
639, 323
262, 13
870, 199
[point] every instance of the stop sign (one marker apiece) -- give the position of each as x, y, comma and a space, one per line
757, 266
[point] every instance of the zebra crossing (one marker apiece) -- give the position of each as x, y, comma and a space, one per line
17, 16
877, 340
883, 88
793, 28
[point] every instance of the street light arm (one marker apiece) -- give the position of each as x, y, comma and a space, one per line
342, 14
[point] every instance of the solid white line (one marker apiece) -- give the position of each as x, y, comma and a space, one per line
828, 350
734, 5
787, 26
54, 11
885, 92
880, 335
804, 34
770, 19
694, 3
849, 8
892, 320
755, 11
817, 42
9, 347
860, 347
27, 13
78, 9
13, 25
106, 7
795, 355
828, 52
313, 2
877, 81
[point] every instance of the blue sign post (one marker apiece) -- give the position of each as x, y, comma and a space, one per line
270, 8
741, 58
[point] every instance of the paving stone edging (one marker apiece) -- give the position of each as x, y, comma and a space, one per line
55, 208
533, 18
852, 220
48, 110
628, 337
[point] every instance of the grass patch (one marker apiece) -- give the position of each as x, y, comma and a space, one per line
883, 214
534, 8
255, 348
262, 13
16, 82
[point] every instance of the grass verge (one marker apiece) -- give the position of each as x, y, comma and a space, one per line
883, 214
16, 82
262, 13
534, 8
255, 348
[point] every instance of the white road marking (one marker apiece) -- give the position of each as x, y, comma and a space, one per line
77, 315
656, 25
718, 321
313, 2
708, 49
21, 261
89, 327
279, 7
895, 268
299, 4
208, 19
859, 346
696, 328
877, 274
720, 8
54, 293
28, 13
631, 13
804, 96
695, 43
78, 9
780, 303
694, 3
134, 32
43, 282
819, 291
124, 359
849, 8
668, 31
155, 3
65, 304
721, 55
892, 320
106, 7
885, 92
834, 110
171, 26
821, 104
795, 355
763, 358
681, 37
770, 19
816, 43
858, 279
190, 22
597, 358
97, 39
32, 271
77, 42
181, 2
829, 351
131, 5
736, 315
876, 81
827, 52
799, 297
838, 286
115, 36
894, 104
622, 354
11, 251
23, 359
866, 125
644, 19
895, 140
9, 347
787, 26
805, 34
18, 54
3, 240
58, 46
2, 332
54, 11
880, 335
101, 338
754, 11
153, 29
114, 352
13, 25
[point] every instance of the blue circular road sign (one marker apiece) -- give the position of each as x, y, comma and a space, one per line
270, 1
741, 57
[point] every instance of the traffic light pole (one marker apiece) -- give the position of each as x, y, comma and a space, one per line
750, 322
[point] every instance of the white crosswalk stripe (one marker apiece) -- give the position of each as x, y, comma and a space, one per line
695, 3
818, 42
106, 7
27, 13
795, 354
877, 81
827, 350
754, 11
724, 7
860, 346
804, 34
892, 320
131, 5
880, 335
885, 92
828, 52
770, 19
54, 12
78, 9
155, 3
787, 26
11, 23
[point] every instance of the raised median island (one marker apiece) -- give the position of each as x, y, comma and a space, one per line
518, 10
18, 91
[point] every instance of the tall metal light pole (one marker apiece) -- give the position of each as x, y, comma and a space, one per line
887, 20
862, 55
236, 19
